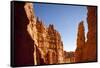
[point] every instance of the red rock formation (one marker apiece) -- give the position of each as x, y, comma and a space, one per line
69, 57
52, 44
47, 40
80, 43
55, 45
90, 50
66, 57
35, 44
72, 57
22, 43
36, 30
87, 51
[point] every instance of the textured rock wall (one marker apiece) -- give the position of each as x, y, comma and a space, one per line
87, 51
90, 53
31, 28
47, 40
80, 43
69, 57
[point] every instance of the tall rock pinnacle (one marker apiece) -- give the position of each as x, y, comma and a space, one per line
80, 42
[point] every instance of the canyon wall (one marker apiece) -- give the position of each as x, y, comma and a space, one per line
37, 44
90, 50
47, 40
86, 51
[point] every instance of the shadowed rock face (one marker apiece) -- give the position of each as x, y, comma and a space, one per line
23, 44
87, 51
91, 44
80, 43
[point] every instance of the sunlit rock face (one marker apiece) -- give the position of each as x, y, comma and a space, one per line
80, 43
91, 44
48, 47
51, 37
31, 27
60, 50
55, 44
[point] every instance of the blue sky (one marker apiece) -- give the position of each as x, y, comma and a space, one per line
65, 19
